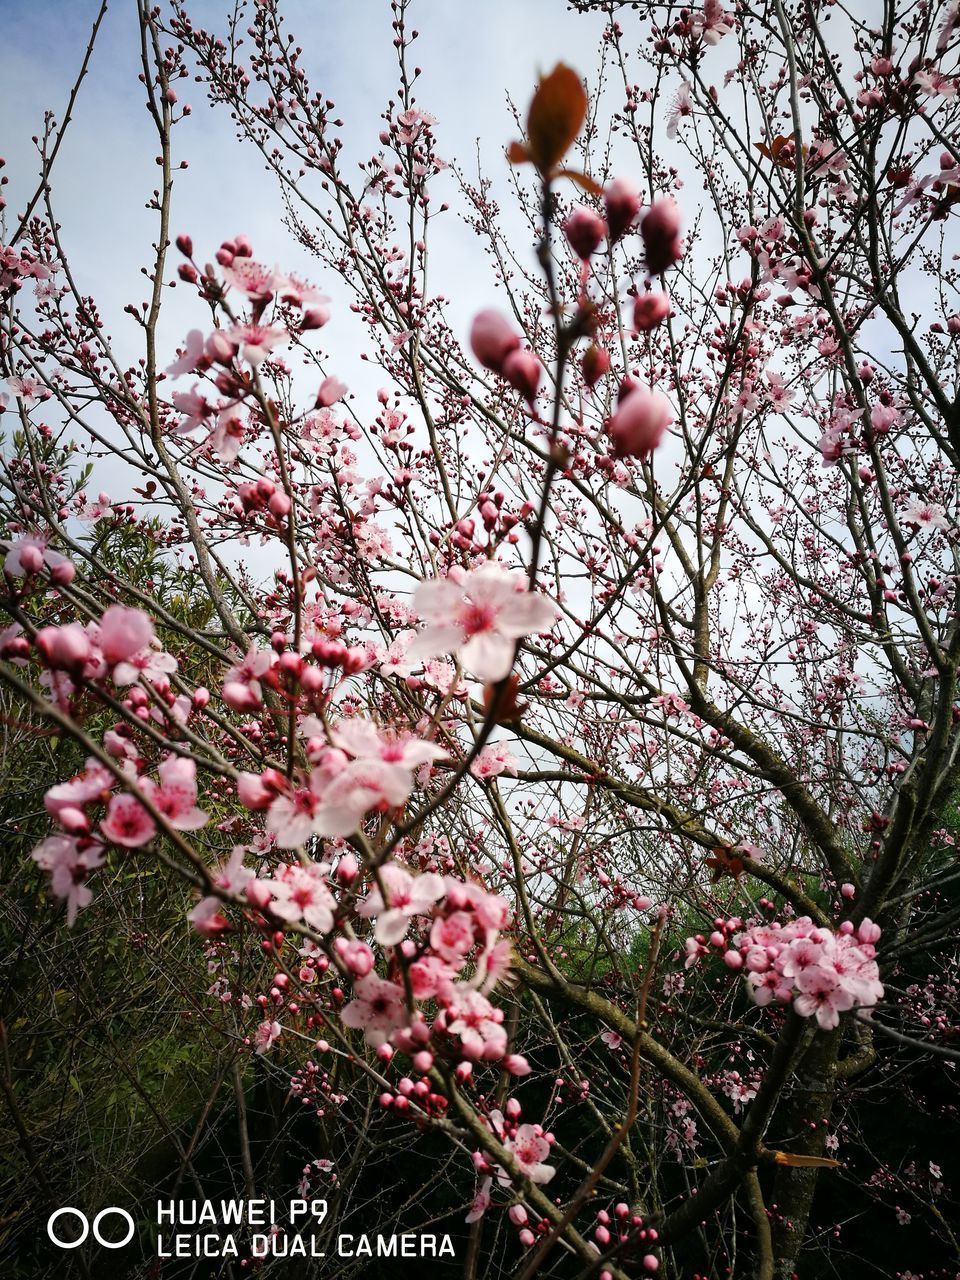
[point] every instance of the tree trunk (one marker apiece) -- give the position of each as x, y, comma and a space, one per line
808, 1121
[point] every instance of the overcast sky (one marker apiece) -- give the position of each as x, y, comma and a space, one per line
106, 169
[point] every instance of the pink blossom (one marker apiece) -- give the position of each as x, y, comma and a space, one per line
27, 556
68, 860
299, 892
470, 1015
331, 390
680, 106
251, 278
330, 803
193, 354
494, 760
481, 1201
66, 801
151, 663
378, 1009
528, 1147
479, 615
926, 515
242, 688
232, 878
127, 822
397, 754
256, 341
452, 936
197, 408
176, 795
267, 1034
122, 633
712, 24
404, 897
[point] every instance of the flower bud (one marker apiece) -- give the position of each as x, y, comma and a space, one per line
64, 648
595, 363
584, 230
492, 339
622, 201
638, 426
661, 235
649, 310
522, 370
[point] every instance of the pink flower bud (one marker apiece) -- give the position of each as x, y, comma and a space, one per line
492, 339
252, 793
185, 245
347, 869
623, 202
595, 363
63, 572
315, 318
661, 235
64, 648
312, 681
848, 890
638, 426
423, 1060
584, 230
219, 348
31, 557
516, 1064
331, 390
280, 505
649, 310
357, 956
522, 370
868, 931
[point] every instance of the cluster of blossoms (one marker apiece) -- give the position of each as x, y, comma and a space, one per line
120, 647
465, 922
822, 971
69, 856
451, 924
16, 267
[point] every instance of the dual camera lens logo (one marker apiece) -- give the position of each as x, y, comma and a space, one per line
85, 1227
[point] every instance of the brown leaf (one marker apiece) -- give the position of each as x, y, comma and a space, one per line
724, 863
804, 1162
556, 116
501, 703
517, 153
781, 151
582, 180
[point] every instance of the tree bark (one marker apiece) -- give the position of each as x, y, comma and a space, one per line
808, 1121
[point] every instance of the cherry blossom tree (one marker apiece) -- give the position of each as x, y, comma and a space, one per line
550, 754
